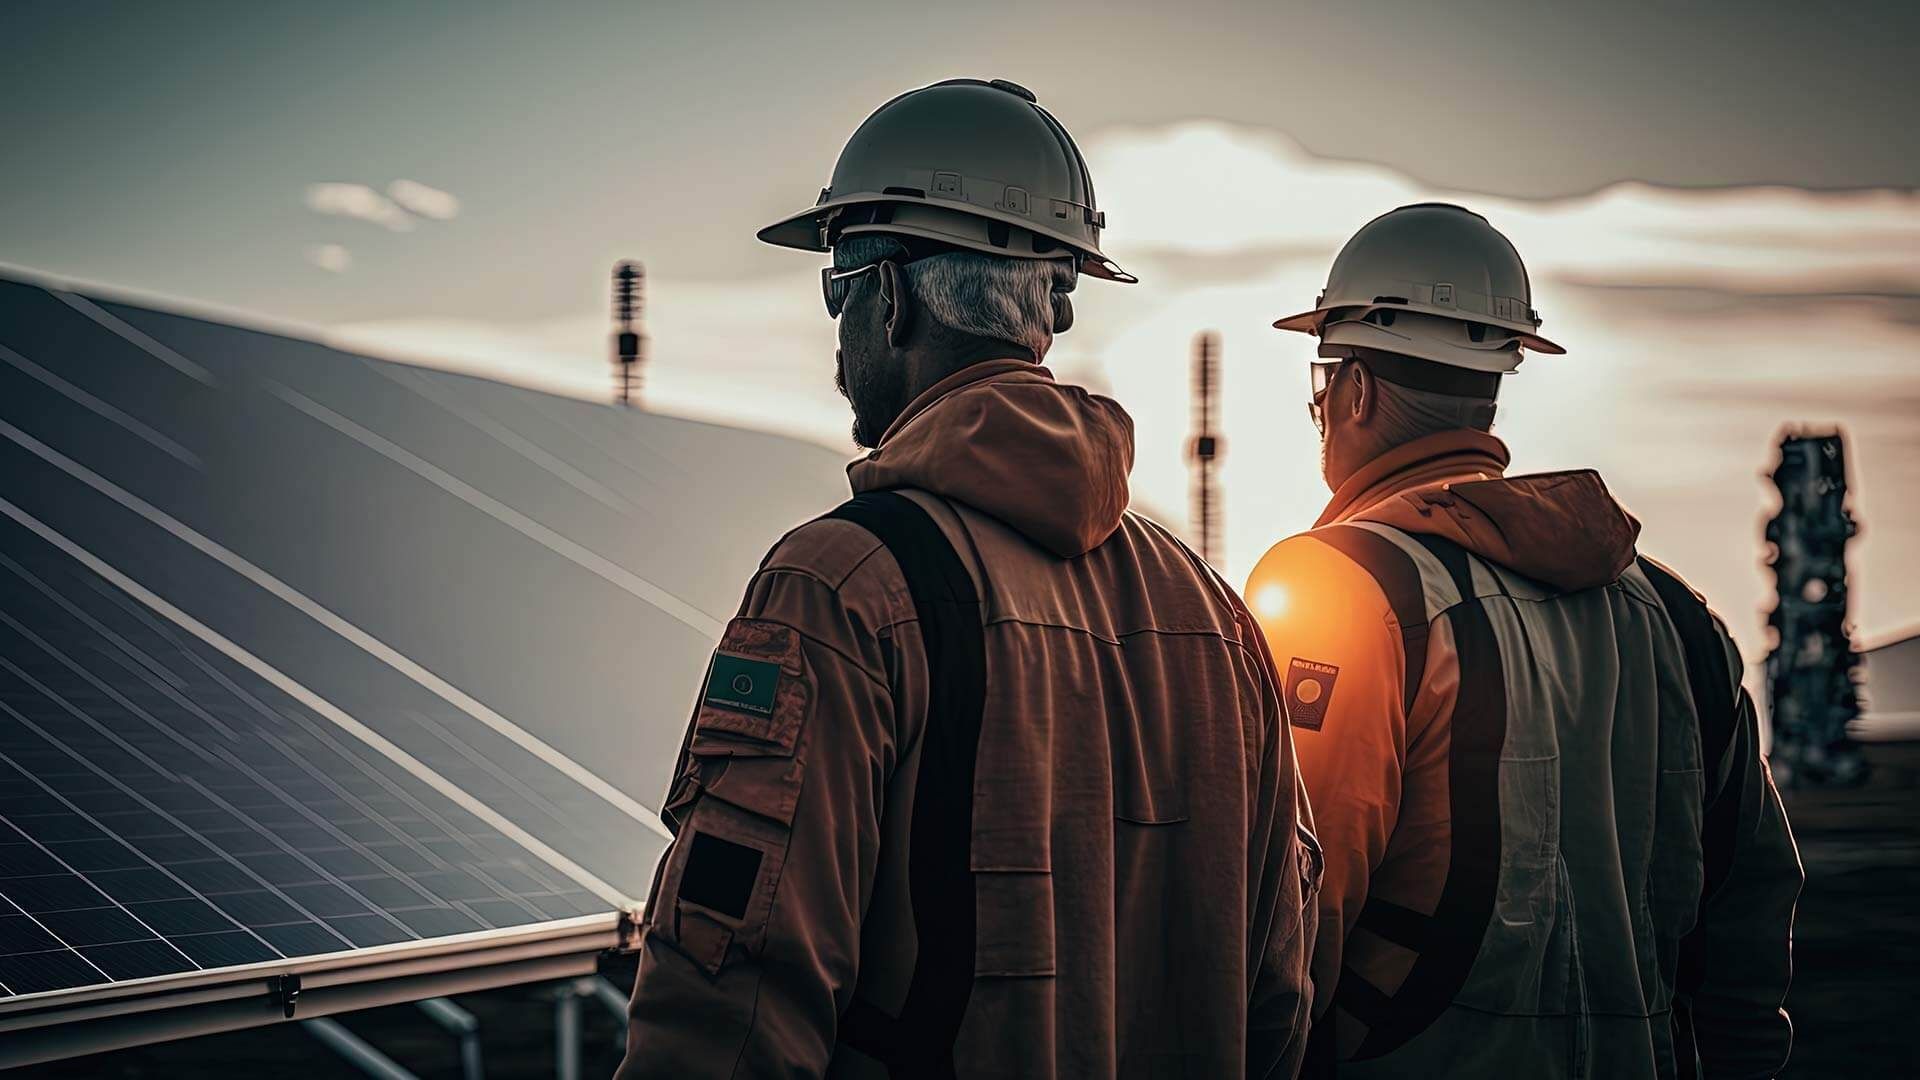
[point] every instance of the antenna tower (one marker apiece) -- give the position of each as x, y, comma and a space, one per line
629, 344
1205, 448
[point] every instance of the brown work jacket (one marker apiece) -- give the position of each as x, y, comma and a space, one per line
1141, 863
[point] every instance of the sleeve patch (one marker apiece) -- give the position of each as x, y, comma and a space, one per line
1309, 690
720, 875
756, 688
740, 685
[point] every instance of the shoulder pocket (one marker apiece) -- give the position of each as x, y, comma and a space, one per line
735, 796
753, 706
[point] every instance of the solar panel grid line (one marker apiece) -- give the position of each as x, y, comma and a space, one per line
553, 464
168, 816
287, 685
103, 409
145, 666
383, 822
143, 674
162, 727
135, 916
68, 707
432, 816
137, 661
505, 776
402, 837
460, 837
303, 857
700, 621
63, 945
259, 707
338, 624
133, 336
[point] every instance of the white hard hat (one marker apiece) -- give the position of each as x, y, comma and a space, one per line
1432, 281
967, 162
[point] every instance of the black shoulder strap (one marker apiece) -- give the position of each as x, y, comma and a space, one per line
919, 1042
1711, 683
1707, 672
1399, 579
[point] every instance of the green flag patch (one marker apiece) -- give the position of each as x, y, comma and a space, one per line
741, 685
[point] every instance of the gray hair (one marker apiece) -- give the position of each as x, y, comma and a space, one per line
989, 296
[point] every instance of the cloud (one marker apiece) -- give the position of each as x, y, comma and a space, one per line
1215, 189
330, 257
358, 201
427, 202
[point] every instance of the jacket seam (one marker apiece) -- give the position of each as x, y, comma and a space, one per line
858, 665
855, 568
807, 572
1119, 639
802, 572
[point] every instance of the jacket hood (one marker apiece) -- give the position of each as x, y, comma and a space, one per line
1049, 460
1563, 529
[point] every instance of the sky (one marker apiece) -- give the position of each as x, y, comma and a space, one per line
1720, 205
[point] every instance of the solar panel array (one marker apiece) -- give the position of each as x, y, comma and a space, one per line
302, 652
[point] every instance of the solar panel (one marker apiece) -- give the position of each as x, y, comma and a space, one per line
304, 653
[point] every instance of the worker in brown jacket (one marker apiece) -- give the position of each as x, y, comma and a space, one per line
989, 777
1552, 845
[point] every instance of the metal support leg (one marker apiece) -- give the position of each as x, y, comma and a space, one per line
461, 1024
357, 1051
566, 1033
609, 995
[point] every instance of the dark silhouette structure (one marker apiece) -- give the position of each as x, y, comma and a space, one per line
1810, 674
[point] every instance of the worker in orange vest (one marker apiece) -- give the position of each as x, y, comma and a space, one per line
1552, 845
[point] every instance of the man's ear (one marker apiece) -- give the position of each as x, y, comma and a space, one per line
897, 304
1364, 392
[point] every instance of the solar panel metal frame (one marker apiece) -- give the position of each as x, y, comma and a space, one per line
48, 1026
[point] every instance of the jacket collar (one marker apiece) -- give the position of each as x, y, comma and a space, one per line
1445, 456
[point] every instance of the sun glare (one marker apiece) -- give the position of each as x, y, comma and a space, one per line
1270, 601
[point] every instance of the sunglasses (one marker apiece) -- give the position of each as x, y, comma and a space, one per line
836, 284
1321, 380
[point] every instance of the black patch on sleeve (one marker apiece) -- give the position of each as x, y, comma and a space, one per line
720, 875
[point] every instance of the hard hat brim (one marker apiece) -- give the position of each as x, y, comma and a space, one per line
1309, 322
807, 230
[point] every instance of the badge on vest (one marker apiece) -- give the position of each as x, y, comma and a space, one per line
1309, 689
